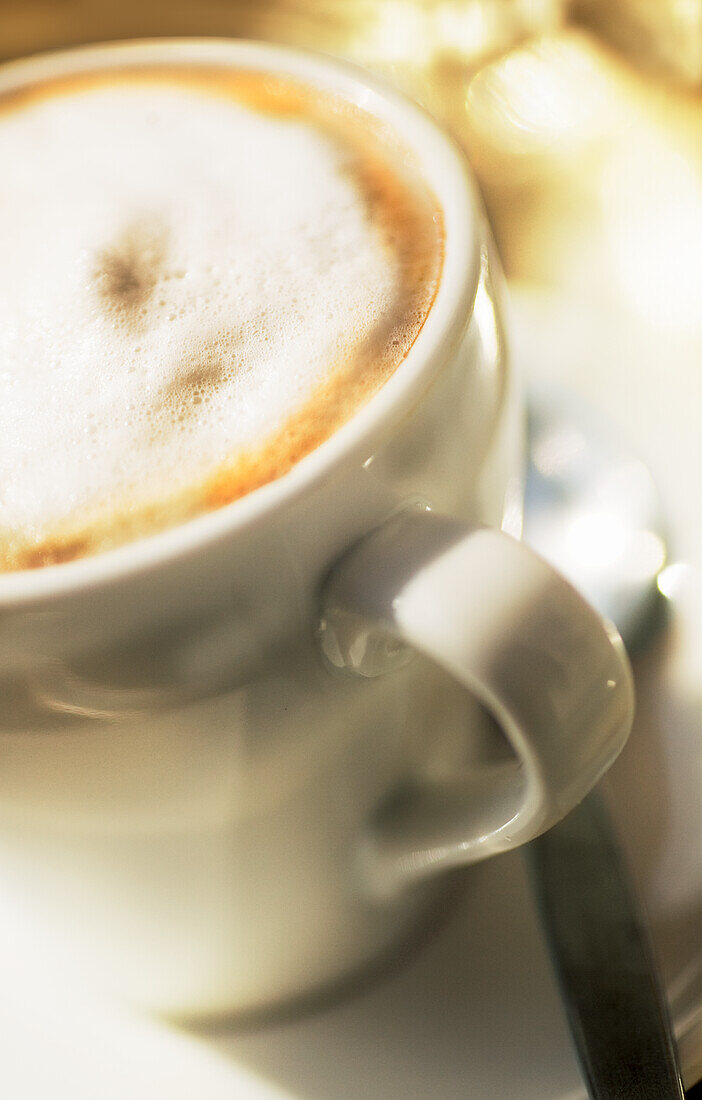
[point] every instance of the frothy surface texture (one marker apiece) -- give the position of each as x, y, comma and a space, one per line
201, 280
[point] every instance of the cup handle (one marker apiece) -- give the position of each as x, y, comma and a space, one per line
520, 638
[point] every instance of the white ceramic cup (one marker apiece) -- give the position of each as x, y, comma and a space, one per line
223, 783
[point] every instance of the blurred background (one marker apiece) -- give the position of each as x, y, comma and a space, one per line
581, 117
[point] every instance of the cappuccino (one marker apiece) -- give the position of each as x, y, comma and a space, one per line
205, 273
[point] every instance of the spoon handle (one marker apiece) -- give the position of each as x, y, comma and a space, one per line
602, 958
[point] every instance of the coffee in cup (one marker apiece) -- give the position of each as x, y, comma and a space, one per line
212, 270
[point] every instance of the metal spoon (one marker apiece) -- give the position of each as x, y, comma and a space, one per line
592, 510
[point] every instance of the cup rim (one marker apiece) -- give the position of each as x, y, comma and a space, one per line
444, 168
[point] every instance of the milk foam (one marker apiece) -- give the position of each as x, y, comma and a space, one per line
180, 274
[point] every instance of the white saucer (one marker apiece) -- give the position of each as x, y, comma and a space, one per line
474, 1013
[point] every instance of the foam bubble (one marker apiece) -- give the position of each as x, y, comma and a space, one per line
180, 274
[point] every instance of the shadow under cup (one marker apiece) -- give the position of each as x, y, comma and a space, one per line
187, 785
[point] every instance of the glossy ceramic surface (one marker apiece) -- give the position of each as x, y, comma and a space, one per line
192, 804
473, 1009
